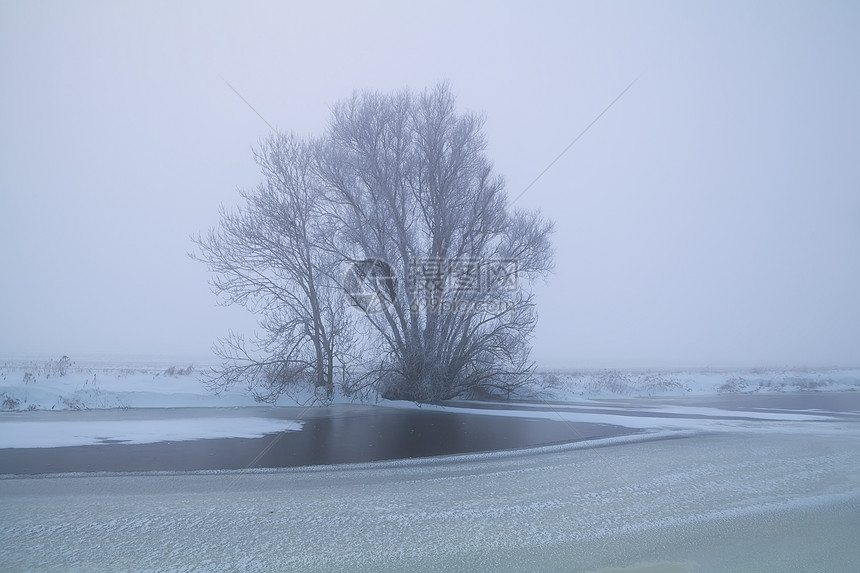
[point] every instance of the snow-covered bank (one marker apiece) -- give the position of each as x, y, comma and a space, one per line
59, 385
50, 385
574, 385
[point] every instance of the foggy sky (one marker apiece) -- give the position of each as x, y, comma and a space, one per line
710, 218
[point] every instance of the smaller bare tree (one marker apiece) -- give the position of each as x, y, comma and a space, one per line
267, 256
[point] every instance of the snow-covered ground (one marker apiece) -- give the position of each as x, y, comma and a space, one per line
574, 385
46, 385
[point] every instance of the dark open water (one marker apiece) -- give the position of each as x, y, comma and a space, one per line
335, 435
346, 433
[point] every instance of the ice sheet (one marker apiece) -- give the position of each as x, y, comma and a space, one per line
83, 432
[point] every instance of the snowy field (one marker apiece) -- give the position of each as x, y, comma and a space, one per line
71, 385
564, 385
67, 385
702, 487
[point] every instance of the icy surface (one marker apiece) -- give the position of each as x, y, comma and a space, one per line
50, 434
738, 501
682, 417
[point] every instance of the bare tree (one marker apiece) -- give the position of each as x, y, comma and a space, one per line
397, 208
407, 182
267, 256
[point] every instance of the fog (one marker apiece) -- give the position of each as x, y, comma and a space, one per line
711, 217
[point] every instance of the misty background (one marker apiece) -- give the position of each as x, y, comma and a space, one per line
710, 218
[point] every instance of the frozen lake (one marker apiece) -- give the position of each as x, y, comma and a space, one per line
746, 502
755, 486
334, 435
186, 439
